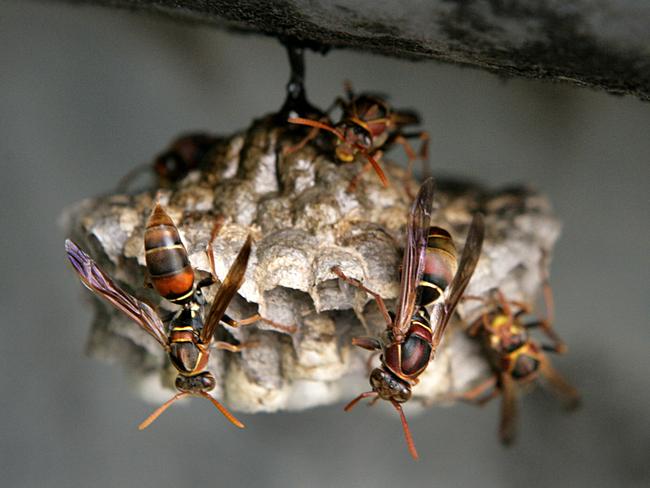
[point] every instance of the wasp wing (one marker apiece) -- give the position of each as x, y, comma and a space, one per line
444, 309
231, 283
413, 261
99, 282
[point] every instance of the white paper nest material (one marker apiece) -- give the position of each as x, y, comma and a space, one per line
304, 222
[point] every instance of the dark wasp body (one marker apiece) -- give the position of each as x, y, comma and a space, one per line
410, 340
186, 153
368, 125
515, 357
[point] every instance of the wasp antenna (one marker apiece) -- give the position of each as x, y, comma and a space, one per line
223, 410
407, 432
156, 413
351, 405
317, 124
216, 228
375, 165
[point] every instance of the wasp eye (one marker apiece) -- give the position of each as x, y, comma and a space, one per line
362, 136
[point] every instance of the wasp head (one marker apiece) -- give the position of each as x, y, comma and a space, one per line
200, 383
389, 387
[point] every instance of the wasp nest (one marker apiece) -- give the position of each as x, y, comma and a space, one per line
304, 221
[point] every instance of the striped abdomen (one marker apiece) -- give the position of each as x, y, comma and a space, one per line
169, 267
440, 264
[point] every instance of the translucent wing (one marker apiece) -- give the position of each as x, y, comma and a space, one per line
231, 283
98, 282
444, 309
413, 261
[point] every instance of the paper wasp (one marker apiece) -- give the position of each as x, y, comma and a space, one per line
190, 334
432, 278
515, 357
186, 153
368, 125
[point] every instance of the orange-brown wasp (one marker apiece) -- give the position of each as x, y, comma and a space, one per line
515, 357
432, 278
190, 333
368, 125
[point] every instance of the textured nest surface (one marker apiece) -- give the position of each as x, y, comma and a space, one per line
304, 222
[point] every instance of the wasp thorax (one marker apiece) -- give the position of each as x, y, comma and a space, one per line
389, 387
197, 383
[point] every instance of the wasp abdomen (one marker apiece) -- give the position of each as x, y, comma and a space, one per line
440, 264
167, 262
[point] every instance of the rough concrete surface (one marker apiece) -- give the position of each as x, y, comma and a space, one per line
596, 43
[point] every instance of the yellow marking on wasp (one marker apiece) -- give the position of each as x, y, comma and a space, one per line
423, 323
189, 293
360, 122
162, 225
524, 349
198, 362
501, 321
182, 328
165, 248
430, 285
176, 340
441, 236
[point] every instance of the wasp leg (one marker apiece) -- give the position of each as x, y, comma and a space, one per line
507, 425
212, 279
476, 327
226, 346
423, 156
356, 283
369, 343
476, 395
561, 387
372, 402
372, 163
367, 394
354, 182
288, 329
558, 344
125, 182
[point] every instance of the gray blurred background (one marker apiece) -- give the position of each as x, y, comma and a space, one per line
87, 93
